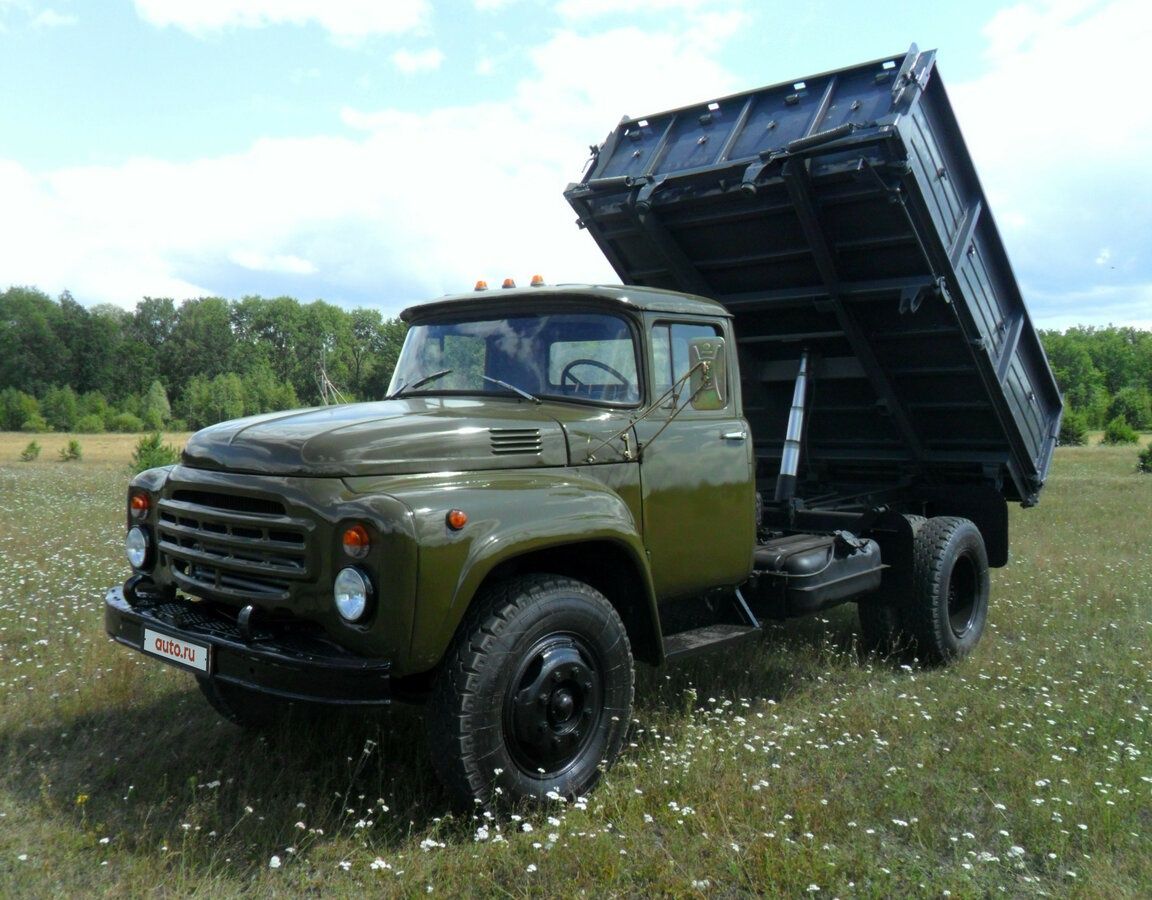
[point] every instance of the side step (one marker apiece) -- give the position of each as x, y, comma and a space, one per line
708, 638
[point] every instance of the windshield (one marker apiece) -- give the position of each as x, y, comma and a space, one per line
570, 356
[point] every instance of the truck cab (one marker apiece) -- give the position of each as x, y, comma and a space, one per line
331, 554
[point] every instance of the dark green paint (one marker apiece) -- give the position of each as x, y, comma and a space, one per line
647, 489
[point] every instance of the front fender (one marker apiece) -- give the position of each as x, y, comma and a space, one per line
510, 514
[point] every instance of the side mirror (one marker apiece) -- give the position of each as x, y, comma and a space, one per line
709, 372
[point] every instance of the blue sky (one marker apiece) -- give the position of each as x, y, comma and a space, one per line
376, 153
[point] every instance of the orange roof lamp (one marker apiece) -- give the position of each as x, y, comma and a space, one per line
482, 285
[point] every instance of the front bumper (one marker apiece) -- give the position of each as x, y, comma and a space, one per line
291, 665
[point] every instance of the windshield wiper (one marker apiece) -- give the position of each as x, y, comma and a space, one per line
417, 383
511, 387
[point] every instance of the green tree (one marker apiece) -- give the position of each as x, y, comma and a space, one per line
263, 392
107, 360
126, 423
16, 408
72, 452
1144, 460
208, 401
155, 407
31, 352
1118, 431
201, 342
90, 424
59, 408
92, 404
36, 424
151, 452
1134, 405
1073, 429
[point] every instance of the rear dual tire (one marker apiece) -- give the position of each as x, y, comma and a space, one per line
950, 586
940, 613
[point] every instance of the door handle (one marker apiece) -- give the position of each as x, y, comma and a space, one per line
734, 435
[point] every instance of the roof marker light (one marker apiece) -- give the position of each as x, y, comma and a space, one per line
508, 283
481, 285
537, 281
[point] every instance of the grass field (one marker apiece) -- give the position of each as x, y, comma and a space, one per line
793, 768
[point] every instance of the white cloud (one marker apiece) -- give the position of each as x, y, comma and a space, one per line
345, 20
409, 62
414, 204
49, 18
257, 261
594, 9
1062, 146
410, 205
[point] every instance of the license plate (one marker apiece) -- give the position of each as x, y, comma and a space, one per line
185, 653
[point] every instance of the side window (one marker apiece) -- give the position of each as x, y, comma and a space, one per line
670, 355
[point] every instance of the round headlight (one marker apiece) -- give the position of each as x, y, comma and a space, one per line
351, 592
136, 547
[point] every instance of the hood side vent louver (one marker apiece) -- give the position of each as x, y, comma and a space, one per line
507, 441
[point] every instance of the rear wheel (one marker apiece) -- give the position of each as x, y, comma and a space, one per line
950, 589
536, 696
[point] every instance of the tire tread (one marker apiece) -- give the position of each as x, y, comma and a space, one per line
454, 697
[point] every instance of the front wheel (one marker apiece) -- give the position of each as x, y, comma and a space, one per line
950, 587
535, 697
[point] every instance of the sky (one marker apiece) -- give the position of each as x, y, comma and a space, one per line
380, 152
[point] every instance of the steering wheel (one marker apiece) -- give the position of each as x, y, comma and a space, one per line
566, 372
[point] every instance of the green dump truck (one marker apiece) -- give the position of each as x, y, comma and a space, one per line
817, 384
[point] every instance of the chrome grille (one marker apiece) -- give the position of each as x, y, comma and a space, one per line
233, 546
515, 440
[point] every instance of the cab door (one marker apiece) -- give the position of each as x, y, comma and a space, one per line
696, 471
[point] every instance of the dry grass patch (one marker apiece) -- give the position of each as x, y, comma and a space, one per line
99, 449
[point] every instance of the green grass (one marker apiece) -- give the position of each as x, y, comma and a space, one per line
1025, 769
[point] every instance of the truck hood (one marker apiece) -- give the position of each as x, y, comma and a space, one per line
392, 437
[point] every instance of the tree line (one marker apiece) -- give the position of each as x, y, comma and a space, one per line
1105, 375
185, 365
67, 367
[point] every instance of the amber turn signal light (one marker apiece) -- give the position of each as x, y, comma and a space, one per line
456, 519
138, 505
356, 541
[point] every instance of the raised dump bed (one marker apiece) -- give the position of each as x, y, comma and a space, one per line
841, 214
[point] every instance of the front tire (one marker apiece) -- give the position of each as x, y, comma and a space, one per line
536, 695
950, 589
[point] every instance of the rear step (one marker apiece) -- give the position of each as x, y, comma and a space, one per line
709, 637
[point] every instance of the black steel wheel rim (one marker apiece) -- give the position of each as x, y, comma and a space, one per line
553, 705
963, 596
